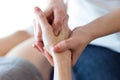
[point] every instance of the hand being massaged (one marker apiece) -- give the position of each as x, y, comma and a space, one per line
48, 37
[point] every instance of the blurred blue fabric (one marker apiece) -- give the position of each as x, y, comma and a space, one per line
97, 63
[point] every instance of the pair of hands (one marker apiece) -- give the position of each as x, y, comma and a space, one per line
55, 17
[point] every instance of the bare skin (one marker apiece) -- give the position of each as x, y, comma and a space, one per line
62, 62
55, 13
12, 41
26, 51
21, 46
82, 36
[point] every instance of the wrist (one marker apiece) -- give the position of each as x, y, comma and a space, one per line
88, 34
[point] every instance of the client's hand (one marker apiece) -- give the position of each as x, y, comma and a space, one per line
55, 13
48, 37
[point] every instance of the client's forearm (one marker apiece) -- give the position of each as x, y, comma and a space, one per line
62, 65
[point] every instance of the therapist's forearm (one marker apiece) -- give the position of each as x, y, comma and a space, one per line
107, 24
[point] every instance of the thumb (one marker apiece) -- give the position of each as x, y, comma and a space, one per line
63, 46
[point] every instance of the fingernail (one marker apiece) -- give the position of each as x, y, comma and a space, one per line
56, 49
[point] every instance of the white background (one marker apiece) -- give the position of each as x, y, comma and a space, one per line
17, 14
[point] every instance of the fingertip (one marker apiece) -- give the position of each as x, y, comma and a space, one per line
56, 49
37, 9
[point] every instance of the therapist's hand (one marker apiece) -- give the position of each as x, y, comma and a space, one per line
55, 13
77, 42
